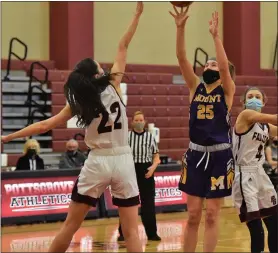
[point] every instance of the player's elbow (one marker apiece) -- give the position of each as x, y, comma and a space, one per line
230, 91
228, 84
44, 126
158, 161
181, 56
123, 45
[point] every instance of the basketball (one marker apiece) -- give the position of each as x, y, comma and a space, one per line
181, 3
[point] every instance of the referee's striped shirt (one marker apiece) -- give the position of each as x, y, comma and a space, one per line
143, 146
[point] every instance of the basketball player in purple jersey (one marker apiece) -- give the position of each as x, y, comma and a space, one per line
208, 163
93, 97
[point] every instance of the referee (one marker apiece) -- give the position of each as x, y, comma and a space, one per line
146, 159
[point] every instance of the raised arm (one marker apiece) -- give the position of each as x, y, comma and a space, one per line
41, 127
120, 60
222, 60
186, 68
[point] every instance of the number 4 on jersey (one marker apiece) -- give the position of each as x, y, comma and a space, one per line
259, 153
102, 128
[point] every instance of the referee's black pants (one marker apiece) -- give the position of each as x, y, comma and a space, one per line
147, 197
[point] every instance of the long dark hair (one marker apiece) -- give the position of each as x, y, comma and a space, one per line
83, 89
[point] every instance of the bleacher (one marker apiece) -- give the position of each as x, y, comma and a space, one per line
163, 102
158, 91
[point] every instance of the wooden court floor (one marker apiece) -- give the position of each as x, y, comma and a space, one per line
101, 235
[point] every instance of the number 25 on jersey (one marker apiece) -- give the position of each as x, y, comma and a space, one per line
205, 112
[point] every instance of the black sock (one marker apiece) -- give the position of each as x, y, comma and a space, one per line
257, 235
272, 227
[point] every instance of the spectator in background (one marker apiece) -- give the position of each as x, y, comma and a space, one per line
271, 153
72, 158
31, 159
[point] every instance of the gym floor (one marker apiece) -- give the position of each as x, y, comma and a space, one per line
101, 235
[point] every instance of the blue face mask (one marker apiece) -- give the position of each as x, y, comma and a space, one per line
254, 104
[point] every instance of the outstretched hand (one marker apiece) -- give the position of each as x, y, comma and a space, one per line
139, 8
180, 17
4, 139
213, 24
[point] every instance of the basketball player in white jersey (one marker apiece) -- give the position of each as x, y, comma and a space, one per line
93, 97
253, 193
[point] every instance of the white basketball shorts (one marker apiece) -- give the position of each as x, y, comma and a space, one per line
108, 167
253, 193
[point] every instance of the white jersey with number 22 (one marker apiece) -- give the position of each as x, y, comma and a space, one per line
110, 129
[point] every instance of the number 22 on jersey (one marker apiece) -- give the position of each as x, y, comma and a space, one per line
102, 128
205, 112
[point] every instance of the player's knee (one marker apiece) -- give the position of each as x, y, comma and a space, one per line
211, 216
194, 218
271, 224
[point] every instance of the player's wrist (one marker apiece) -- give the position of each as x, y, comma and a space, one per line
9, 138
180, 26
155, 164
216, 36
137, 15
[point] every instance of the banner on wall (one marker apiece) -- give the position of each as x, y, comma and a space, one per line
36, 196
166, 191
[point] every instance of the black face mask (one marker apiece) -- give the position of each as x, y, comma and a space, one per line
71, 153
275, 143
31, 152
211, 76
